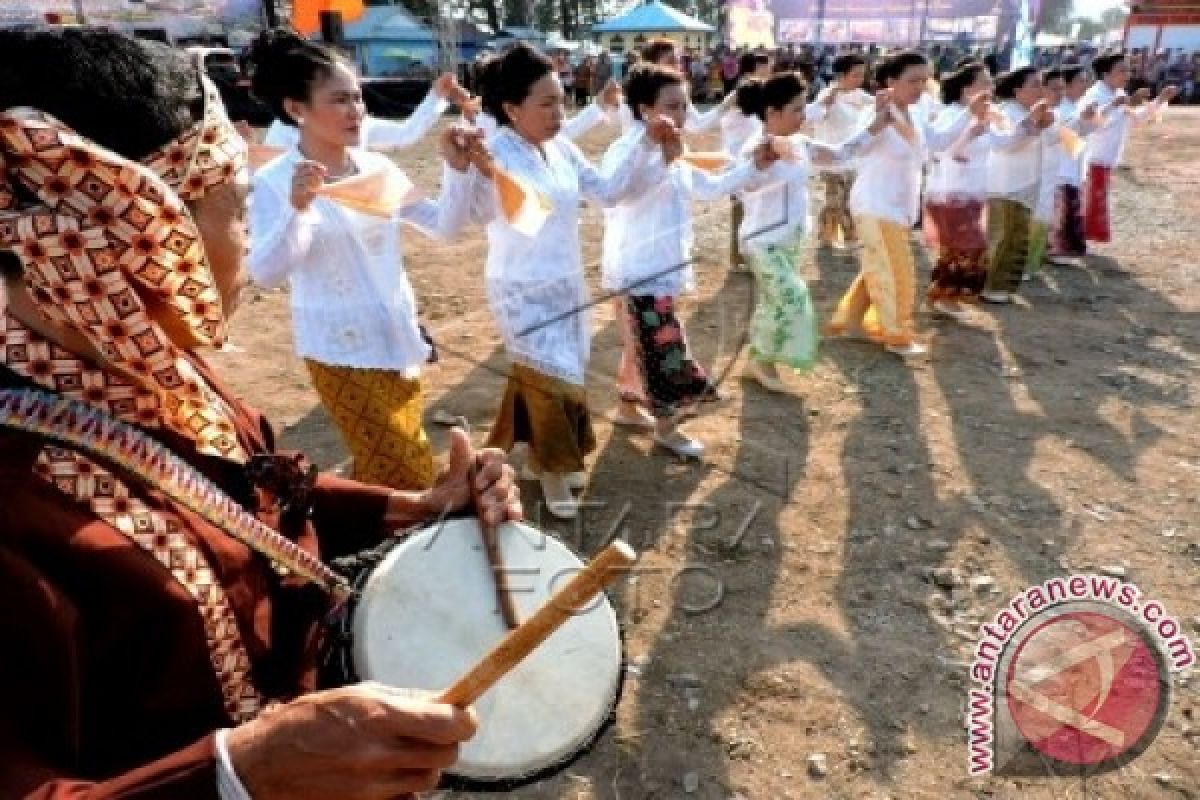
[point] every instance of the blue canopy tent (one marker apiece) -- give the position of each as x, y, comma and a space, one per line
388, 40
651, 20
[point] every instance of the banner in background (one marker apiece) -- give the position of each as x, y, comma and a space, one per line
771, 23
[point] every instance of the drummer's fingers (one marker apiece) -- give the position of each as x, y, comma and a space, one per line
492, 469
405, 755
424, 720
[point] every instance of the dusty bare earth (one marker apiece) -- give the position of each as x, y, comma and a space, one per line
1060, 435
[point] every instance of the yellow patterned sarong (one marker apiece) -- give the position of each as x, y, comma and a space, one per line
881, 300
550, 415
378, 412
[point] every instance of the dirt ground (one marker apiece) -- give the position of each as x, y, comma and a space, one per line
1058, 435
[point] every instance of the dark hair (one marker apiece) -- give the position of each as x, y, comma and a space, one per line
1102, 65
954, 84
127, 95
284, 66
656, 49
894, 65
643, 84
1051, 74
508, 78
1071, 72
750, 62
964, 61
843, 64
1008, 83
755, 96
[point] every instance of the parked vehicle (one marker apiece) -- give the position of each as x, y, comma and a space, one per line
222, 66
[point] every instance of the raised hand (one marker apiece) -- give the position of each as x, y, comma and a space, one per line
980, 105
610, 95
770, 150
307, 178
447, 86
883, 111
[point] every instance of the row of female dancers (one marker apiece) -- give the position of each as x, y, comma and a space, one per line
355, 314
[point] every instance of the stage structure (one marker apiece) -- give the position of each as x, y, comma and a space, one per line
776, 23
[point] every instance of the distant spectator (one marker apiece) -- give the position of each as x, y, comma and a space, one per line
583, 81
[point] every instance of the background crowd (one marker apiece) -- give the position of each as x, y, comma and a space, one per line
715, 72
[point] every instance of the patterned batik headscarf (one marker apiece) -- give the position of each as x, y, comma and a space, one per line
105, 235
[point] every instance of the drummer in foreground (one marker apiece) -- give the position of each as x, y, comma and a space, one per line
146, 653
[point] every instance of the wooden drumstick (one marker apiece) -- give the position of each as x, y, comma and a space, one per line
514, 647
491, 544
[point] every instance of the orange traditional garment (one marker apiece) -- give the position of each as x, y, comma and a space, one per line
378, 412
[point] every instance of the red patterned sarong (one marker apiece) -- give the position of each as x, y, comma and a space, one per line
1095, 208
955, 230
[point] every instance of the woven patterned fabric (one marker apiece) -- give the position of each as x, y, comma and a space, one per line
104, 240
108, 238
161, 534
378, 412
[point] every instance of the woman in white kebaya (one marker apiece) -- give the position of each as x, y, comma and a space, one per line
841, 110
956, 195
381, 134
1014, 179
647, 261
534, 274
885, 201
783, 330
353, 309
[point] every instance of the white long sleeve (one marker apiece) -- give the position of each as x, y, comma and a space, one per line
703, 121
610, 186
583, 122
444, 218
648, 236
229, 785
387, 134
351, 300
377, 133
281, 235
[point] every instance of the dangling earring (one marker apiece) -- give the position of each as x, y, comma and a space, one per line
300, 122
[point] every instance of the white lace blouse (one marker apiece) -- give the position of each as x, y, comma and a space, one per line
776, 202
648, 236
352, 303
535, 284
1015, 160
959, 174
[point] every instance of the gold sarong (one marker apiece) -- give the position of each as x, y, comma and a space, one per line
881, 300
550, 415
378, 412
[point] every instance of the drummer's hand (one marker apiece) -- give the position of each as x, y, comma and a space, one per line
495, 480
358, 742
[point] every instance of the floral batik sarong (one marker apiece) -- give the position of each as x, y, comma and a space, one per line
671, 379
783, 329
1067, 236
955, 232
835, 222
1009, 227
881, 300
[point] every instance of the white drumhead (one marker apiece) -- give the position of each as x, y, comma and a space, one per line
428, 613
